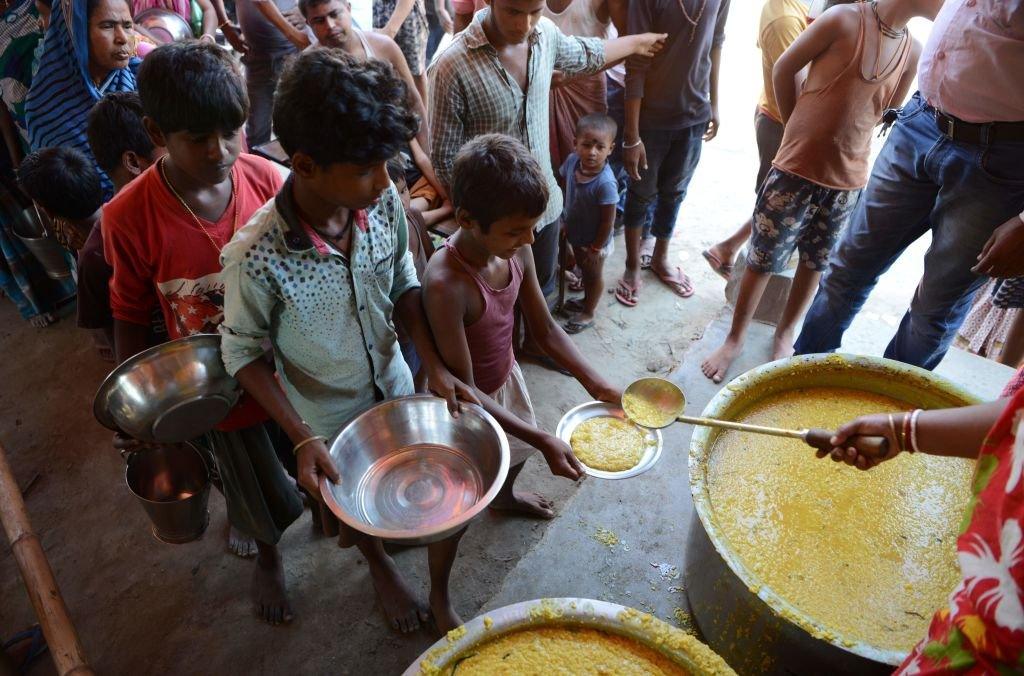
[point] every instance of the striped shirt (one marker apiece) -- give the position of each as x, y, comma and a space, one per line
473, 94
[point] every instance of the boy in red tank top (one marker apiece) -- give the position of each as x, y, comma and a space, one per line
861, 60
471, 289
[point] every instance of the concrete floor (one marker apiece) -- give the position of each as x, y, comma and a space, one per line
145, 607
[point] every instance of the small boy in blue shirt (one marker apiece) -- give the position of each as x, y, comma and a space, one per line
591, 194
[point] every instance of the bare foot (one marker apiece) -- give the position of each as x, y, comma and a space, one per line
270, 602
43, 320
719, 361
782, 346
402, 610
445, 617
525, 504
240, 545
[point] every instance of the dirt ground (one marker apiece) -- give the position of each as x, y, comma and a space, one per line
145, 607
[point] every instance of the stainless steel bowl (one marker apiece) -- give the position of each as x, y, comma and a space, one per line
169, 393
689, 653
163, 25
597, 409
412, 473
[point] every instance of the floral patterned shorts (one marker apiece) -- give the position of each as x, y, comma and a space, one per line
794, 213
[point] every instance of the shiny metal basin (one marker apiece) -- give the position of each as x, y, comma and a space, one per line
412, 473
597, 409
753, 628
163, 25
169, 393
689, 653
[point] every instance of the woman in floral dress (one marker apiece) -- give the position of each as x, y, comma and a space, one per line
981, 630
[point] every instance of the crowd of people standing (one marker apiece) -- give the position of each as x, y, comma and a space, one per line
537, 117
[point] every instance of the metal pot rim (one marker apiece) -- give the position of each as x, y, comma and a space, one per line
440, 531
610, 617
700, 448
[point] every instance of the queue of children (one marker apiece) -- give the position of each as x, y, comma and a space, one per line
334, 267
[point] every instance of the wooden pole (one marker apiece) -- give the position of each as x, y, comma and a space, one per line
42, 589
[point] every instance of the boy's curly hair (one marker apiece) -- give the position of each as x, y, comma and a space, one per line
335, 108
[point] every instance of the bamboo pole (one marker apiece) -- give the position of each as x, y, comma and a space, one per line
47, 601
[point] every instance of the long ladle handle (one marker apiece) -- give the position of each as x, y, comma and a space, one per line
873, 447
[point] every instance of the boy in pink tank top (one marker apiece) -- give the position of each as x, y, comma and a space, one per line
861, 60
470, 292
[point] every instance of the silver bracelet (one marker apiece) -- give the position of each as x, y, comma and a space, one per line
913, 430
628, 146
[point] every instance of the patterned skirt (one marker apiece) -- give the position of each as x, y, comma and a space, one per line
412, 36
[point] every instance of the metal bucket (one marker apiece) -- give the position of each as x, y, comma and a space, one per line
41, 244
747, 623
173, 484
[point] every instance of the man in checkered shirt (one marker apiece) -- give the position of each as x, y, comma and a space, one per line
495, 78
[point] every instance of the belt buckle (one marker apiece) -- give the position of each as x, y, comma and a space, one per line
950, 127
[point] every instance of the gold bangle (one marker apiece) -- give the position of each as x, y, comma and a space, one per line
225, 22
308, 440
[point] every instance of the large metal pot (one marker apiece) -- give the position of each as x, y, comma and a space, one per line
673, 643
746, 622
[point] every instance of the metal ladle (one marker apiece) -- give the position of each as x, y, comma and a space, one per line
656, 403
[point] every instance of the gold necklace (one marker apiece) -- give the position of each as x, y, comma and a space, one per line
693, 21
184, 204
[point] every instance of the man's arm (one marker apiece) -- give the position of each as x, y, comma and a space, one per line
714, 122
443, 17
447, 129
806, 48
899, 95
618, 11
234, 38
394, 24
445, 303
209, 17
387, 47
272, 14
552, 339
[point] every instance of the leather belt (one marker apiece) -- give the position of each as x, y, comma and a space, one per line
978, 133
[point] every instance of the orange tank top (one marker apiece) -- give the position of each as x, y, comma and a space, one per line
828, 137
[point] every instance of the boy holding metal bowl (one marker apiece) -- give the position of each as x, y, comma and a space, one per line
322, 271
471, 290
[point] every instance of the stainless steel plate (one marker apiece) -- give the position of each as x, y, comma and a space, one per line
599, 409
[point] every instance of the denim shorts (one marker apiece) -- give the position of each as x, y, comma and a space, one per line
794, 213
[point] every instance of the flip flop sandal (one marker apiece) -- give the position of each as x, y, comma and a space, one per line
574, 327
36, 648
678, 282
723, 270
626, 294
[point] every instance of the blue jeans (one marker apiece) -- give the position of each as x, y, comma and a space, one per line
672, 157
261, 77
921, 181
